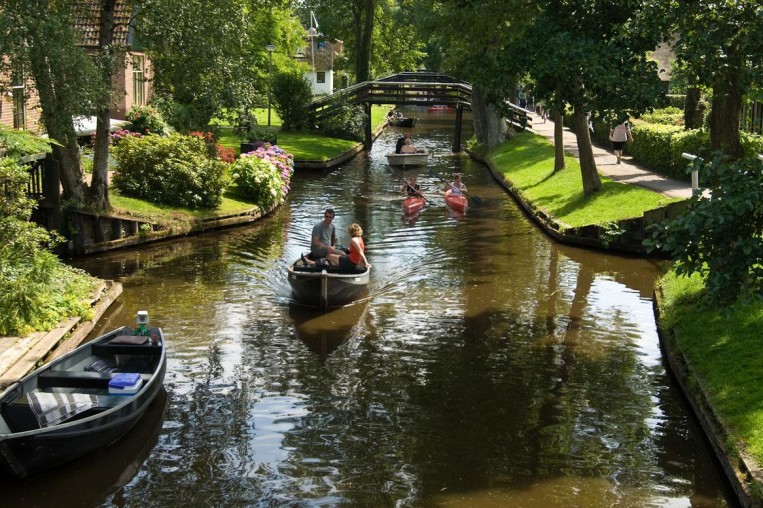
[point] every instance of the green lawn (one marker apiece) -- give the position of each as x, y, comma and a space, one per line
722, 346
304, 146
527, 161
169, 214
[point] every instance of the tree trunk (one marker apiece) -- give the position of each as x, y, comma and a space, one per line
58, 119
558, 139
99, 186
726, 112
692, 115
357, 18
489, 126
591, 180
363, 72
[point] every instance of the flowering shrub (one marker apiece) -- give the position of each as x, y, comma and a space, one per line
174, 170
225, 153
263, 175
215, 149
146, 120
117, 136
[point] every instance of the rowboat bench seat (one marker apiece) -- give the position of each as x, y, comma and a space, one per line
78, 379
39, 409
125, 349
329, 269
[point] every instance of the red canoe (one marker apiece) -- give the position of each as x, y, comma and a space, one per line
412, 205
457, 203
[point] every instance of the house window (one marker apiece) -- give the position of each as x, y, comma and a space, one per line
321, 77
138, 80
19, 107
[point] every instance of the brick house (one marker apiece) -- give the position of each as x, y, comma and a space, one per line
131, 85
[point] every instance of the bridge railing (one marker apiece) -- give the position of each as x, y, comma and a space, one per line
424, 93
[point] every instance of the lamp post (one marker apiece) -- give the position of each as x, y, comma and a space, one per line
270, 48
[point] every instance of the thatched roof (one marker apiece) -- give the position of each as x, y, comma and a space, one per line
325, 52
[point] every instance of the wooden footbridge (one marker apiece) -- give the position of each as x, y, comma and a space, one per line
406, 88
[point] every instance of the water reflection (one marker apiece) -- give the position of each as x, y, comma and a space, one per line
324, 331
488, 365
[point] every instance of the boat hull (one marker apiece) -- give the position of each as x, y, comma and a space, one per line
458, 203
407, 159
327, 287
404, 122
28, 448
412, 205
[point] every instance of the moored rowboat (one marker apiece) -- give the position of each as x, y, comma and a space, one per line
456, 202
403, 122
81, 402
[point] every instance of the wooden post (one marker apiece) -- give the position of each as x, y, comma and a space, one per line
459, 119
369, 137
51, 182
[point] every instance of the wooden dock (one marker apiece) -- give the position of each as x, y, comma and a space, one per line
21, 355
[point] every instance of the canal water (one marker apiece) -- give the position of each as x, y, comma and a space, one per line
488, 366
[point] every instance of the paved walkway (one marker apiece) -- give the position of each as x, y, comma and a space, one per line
606, 163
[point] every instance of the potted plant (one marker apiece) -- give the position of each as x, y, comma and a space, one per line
246, 127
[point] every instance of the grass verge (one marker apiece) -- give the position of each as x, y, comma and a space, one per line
304, 146
527, 161
722, 346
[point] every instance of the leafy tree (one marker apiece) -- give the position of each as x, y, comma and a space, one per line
719, 43
209, 55
592, 56
40, 43
476, 41
291, 92
380, 36
719, 236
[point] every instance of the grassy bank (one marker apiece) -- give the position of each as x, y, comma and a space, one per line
527, 161
304, 146
722, 346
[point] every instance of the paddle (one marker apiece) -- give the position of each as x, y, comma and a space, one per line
474, 199
414, 189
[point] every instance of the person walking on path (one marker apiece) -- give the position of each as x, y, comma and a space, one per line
627, 172
620, 135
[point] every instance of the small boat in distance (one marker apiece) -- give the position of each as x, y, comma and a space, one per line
441, 108
327, 286
412, 205
456, 202
408, 159
82, 401
403, 122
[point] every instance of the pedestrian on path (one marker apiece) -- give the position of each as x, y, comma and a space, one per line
620, 135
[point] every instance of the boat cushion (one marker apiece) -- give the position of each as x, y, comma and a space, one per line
54, 408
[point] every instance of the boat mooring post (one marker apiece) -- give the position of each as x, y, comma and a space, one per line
459, 119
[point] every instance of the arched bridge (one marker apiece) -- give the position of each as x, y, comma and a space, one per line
406, 88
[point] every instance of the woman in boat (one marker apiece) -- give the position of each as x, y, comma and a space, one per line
408, 146
357, 257
456, 187
411, 188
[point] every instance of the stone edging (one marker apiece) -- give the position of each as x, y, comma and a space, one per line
743, 473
